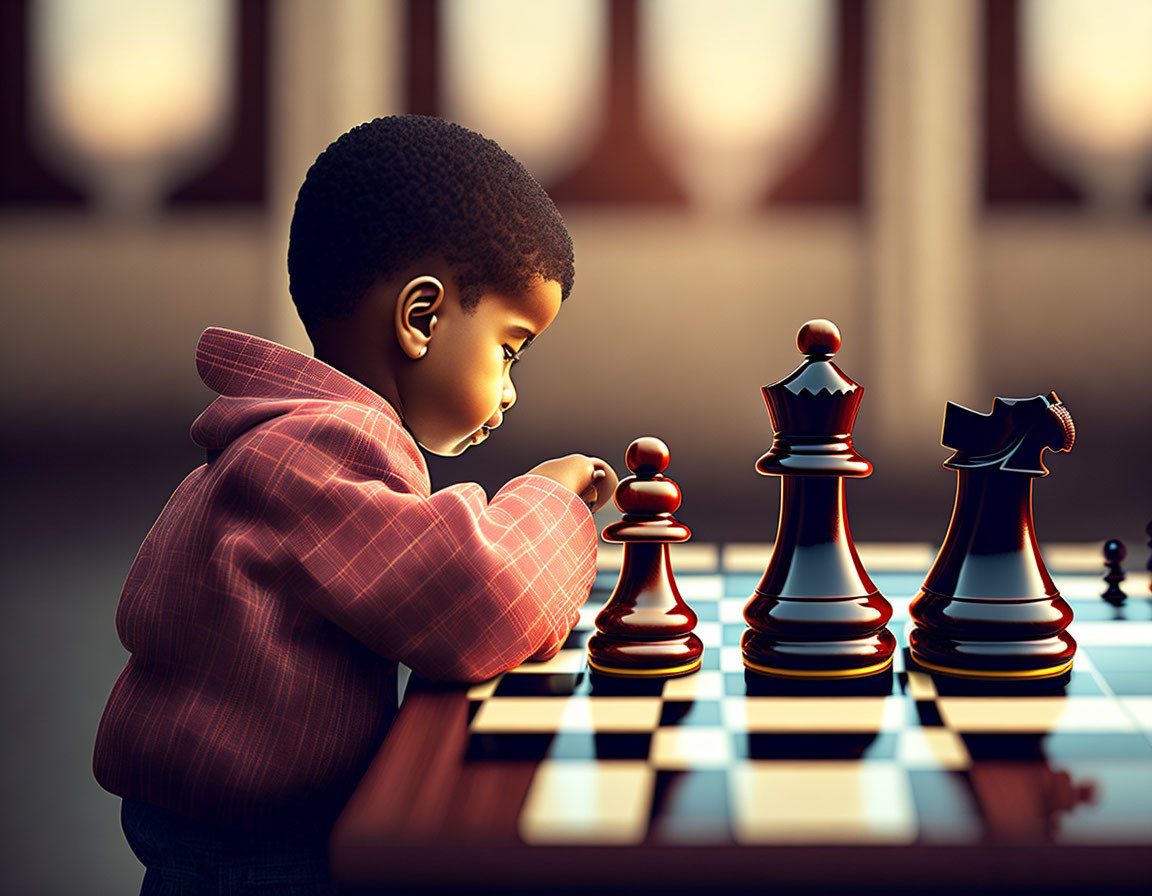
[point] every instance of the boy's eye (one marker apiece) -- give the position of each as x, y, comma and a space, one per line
510, 355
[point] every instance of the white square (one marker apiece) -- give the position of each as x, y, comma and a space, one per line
921, 686
732, 610
1140, 708
545, 714
900, 607
588, 613
483, 690
694, 556
1034, 714
821, 802
700, 587
896, 556
1126, 634
934, 748
832, 715
711, 633
731, 659
690, 747
575, 802
609, 556
703, 685
749, 557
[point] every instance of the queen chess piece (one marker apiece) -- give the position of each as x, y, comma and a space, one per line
646, 629
815, 613
988, 608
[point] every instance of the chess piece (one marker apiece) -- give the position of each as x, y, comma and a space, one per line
988, 607
1114, 554
815, 613
1148, 529
645, 629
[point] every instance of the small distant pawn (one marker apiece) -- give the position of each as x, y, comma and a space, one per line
1148, 529
1114, 554
646, 628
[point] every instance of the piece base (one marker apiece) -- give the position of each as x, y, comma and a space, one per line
819, 673
640, 658
847, 658
666, 672
997, 674
1004, 660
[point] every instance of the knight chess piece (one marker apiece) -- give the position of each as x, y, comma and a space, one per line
988, 607
646, 628
815, 613
1114, 554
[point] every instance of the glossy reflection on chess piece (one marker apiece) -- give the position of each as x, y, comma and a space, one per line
988, 607
815, 613
646, 628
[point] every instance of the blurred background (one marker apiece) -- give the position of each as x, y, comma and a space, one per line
963, 186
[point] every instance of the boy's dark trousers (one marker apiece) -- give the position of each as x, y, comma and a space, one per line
189, 858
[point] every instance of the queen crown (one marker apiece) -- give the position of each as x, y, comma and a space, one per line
813, 410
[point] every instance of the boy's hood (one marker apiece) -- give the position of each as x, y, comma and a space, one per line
258, 380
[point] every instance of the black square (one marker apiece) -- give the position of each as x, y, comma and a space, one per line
946, 809
928, 713
789, 745
690, 806
509, 745
539, 684
1057, 745
616, 686
691, 713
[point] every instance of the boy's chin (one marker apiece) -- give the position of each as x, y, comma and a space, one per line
451, 449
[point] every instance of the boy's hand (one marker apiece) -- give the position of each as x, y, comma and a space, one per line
589, 477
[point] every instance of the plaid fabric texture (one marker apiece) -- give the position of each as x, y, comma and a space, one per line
271, 601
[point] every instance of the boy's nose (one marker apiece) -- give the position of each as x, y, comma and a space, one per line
508, 396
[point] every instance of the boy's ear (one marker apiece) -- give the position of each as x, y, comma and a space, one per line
415, 318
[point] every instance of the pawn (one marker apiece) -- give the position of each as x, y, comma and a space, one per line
645, 629
1148, 529
1114, 554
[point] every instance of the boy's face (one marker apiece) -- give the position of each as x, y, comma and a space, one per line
458, 391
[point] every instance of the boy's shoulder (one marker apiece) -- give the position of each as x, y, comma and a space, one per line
288, 406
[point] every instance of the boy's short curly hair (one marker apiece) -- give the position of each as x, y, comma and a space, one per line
401, 189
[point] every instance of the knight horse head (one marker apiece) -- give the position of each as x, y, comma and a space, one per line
1012, 437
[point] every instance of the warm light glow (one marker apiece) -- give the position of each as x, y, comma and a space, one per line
1088, 86
131, 82
526, 73
736, 87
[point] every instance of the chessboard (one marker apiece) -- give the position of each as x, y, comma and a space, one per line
549, 771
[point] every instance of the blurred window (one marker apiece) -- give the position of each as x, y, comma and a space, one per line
134, 103
732, 103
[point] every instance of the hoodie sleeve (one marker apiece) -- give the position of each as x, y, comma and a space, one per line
454, 586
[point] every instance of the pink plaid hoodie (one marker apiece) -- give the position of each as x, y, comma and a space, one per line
270, 603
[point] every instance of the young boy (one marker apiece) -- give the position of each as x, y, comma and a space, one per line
269, 605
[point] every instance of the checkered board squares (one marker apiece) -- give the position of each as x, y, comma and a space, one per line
727, 756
